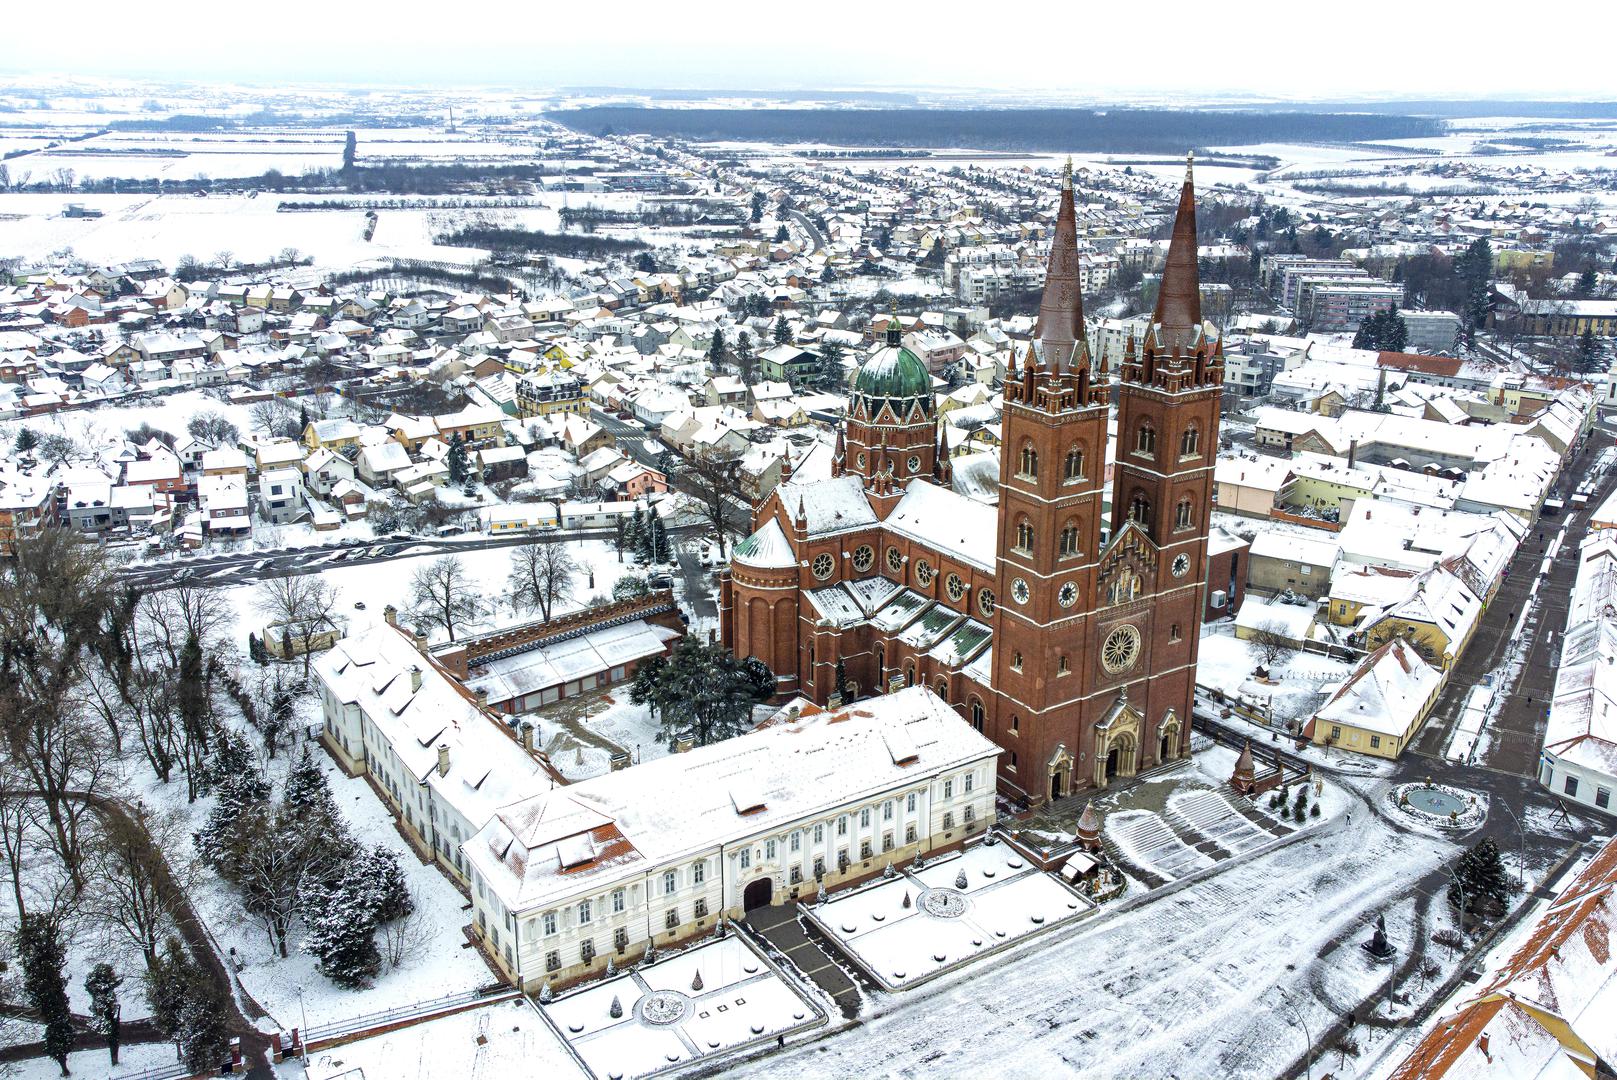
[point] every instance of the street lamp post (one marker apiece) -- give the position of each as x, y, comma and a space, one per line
1521, 863
1458, 884
1308, 1050
303, 1042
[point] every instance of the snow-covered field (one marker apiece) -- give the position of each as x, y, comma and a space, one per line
909, 927
506, 1040
707, 1000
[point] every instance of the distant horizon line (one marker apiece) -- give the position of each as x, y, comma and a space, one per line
1114, 97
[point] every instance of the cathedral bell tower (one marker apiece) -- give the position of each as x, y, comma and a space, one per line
1051, 488
1154, 571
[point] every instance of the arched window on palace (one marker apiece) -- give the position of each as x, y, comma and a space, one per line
1181, 515
942, 688
811, 662
1145, 439
1069, 538
1029, 464
909, 673
1024, 536
1189, 442
1074, 469
977, 715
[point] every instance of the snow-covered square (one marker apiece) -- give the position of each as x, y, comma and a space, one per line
711, 999
920, 923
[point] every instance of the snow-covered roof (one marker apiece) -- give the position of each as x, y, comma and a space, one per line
579, 839
829, 506
766, 549
948, 522
1386, 695
1582, 726
376, 670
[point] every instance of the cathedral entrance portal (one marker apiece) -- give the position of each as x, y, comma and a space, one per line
1060, 773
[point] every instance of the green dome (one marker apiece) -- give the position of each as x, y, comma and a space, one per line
893, 372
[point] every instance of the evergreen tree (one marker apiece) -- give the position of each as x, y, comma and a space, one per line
1481, 873
459, 466
783, 331
646, 687
830, 371
188, 1009
308, 796
631, 587
659, 547
841, 678
379, 878
105, 1014
704, 692
781, 235
26, 440
43, 955
1588, 352
1395, 333
744, 357
715, 351
341, 929
193, 702
350, 147
1588, 282
235, 795
632, 533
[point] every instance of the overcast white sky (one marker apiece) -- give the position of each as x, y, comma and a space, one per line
1291, 48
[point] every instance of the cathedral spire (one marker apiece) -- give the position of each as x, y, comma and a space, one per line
1178, 316
1061, 311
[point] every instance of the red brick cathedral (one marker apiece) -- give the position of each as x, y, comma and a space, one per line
1063, 623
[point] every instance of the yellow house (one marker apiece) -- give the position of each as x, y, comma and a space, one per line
474, 424
338, 433
1365, 588
1381, 706
1438, 618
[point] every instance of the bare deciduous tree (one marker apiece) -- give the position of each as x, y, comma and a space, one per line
301, 605
133, 893
714, 482
442, 595
1272, 642
542, 577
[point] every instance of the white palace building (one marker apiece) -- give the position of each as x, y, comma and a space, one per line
564, 877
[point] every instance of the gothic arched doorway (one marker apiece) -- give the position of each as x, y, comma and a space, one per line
758, 893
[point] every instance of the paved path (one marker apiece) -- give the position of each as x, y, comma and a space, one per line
781, 927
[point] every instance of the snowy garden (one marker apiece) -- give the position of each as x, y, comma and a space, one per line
918, 923
711, 999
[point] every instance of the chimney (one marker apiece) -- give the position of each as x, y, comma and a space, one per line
421, 643
415, 677
482, 697
391, 614
1353, 452
527, 729
443, 759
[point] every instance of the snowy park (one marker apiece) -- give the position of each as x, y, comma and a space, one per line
908, 928
711, 999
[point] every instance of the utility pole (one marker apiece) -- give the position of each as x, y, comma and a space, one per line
1308, 1050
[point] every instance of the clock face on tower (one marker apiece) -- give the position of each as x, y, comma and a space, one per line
1068, 595
1181, 565
1020, 592
1120, 650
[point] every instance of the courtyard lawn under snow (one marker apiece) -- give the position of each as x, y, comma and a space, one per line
711, 999
910, 927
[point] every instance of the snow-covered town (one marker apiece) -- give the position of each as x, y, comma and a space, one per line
544, 574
